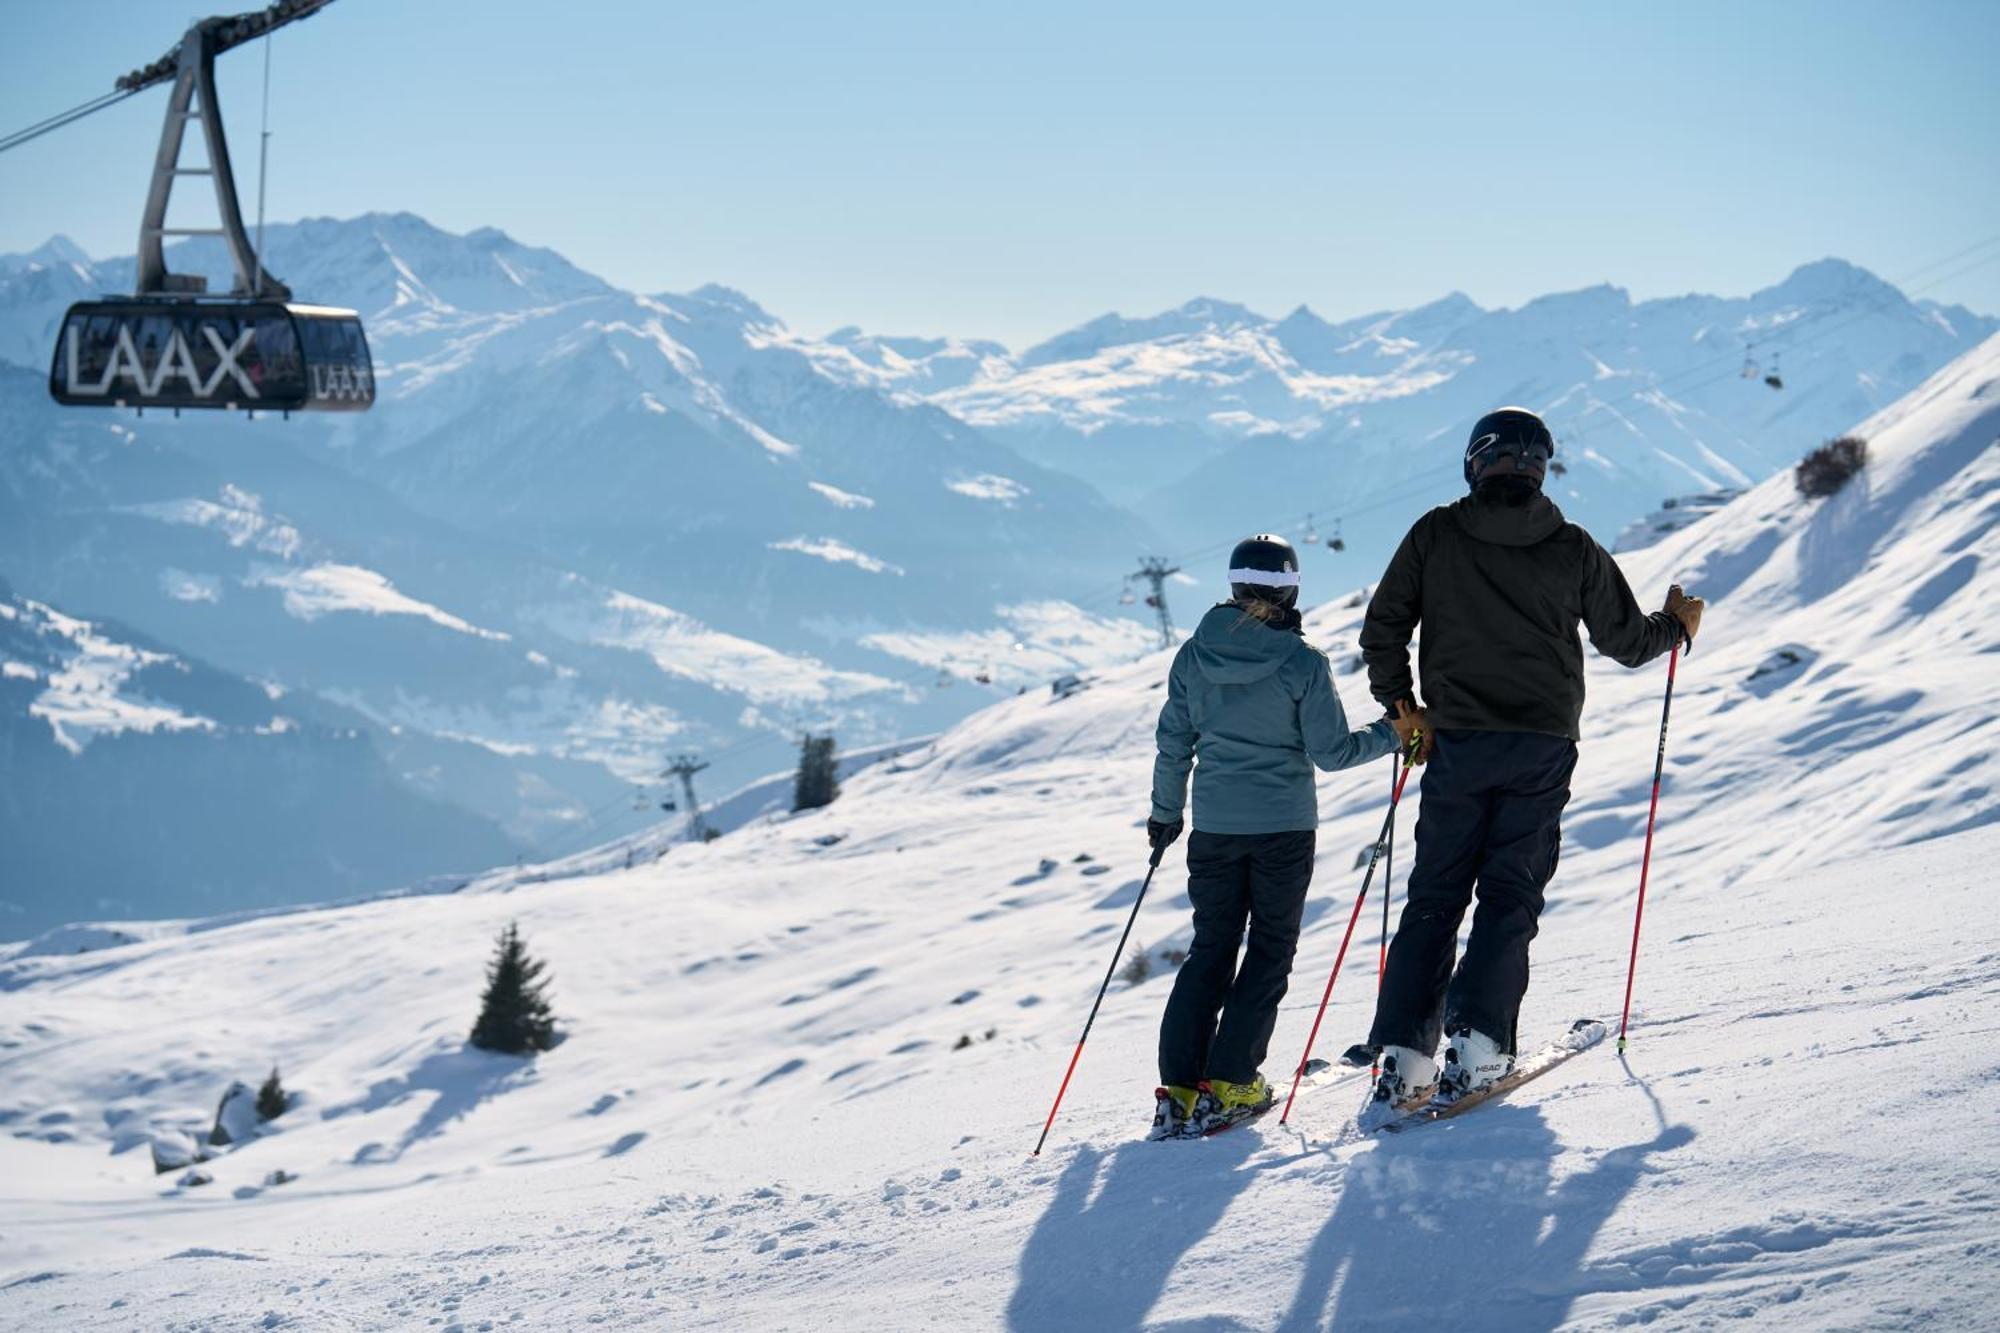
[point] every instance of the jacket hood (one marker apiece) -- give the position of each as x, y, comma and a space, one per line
1507, 525
1232, 648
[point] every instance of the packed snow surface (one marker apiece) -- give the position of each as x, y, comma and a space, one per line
804, 1064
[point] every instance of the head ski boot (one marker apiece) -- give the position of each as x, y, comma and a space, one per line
1473, 1062
1173, 1106
1408, 1077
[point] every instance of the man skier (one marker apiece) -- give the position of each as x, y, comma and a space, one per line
1498, 581
1254, 703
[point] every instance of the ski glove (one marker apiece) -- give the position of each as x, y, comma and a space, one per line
1411, 724
1685, 609
1161, 835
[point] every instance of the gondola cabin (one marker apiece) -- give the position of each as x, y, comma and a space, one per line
254, 356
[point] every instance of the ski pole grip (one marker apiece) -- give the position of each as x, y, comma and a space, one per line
1158, 852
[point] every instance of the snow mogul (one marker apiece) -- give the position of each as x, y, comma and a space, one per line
1254, 703
1498, 581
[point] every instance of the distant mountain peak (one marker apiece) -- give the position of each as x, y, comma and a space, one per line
1225, 314
1831, 279
1203, 314
738, 305
60, 249
57, 250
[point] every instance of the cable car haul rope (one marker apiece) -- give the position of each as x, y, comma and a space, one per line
171, 344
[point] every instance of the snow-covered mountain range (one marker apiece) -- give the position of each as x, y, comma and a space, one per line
584, 527
139, 782
582, 530
804, 1064
1212, 419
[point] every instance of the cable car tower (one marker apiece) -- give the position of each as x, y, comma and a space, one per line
171, 344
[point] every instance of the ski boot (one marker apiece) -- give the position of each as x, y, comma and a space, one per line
1173, 1106
1408, 1076
1222, 1104
1473, 1062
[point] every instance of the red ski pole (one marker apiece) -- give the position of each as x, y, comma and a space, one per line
1076, 1055
1646, 860
1388, 885
1388, 892
1381, 840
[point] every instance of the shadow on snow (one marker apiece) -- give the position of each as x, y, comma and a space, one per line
1100, 1261
1463, 1222
460, 1079
1460, 1220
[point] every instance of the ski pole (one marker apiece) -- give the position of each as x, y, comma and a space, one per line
1388, 885
1402, 776
1646, 860
1388, 892
1151, 866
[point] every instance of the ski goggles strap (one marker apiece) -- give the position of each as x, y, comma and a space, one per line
1268, 578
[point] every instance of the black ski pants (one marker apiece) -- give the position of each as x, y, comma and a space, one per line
1490, 824
1219, 1018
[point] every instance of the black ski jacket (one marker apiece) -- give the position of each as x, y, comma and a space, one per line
1499, 590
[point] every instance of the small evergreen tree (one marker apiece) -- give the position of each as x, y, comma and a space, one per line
818, 782
272, 1099
514, 1015
1138, 965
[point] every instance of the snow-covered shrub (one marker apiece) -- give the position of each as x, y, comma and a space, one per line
1828, 468
514, 1014
1138, 966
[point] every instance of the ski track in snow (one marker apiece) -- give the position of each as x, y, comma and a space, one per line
804, 1065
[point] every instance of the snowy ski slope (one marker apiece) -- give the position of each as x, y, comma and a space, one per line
759, 1120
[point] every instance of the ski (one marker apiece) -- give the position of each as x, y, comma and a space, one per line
1358, 1056
1582, 1035
1320, 1072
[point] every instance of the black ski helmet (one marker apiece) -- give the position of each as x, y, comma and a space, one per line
1264, 567
1509, 432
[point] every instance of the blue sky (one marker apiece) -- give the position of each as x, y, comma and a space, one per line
1009, 170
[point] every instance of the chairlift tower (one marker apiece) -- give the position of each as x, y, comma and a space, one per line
1156, 571
684, 767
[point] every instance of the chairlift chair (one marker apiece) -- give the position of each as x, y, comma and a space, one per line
1336, 542
1774, 379
1312, 533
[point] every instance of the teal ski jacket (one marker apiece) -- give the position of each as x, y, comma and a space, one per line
1251, 709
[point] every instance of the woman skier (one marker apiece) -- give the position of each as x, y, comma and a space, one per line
1251, 709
